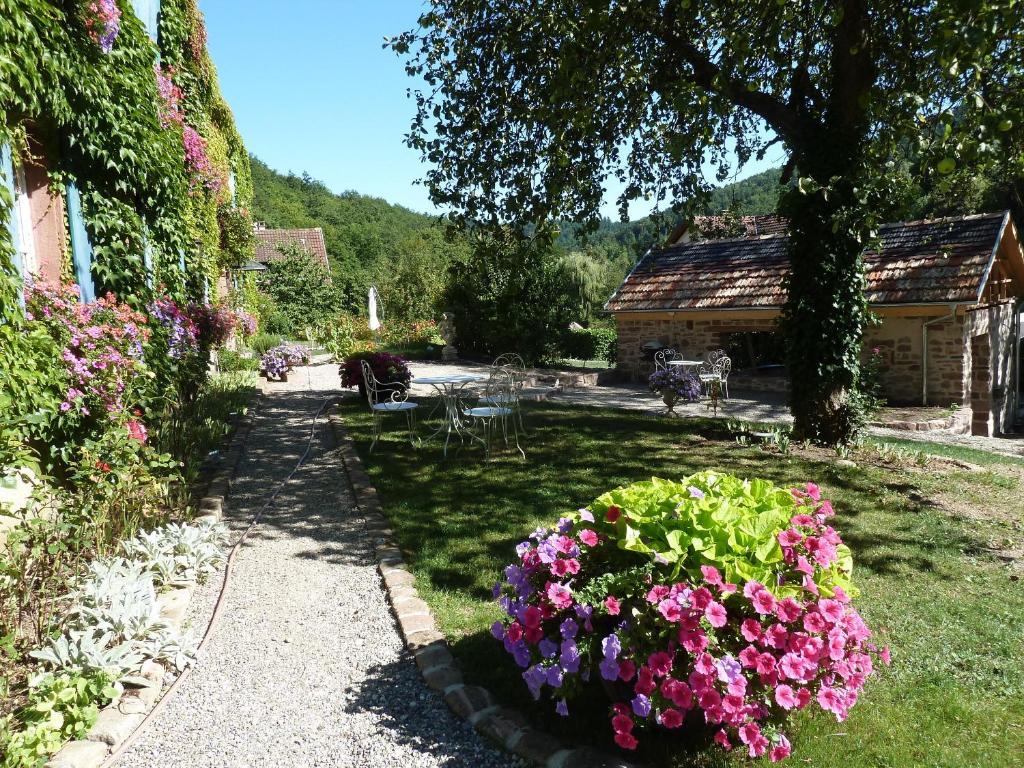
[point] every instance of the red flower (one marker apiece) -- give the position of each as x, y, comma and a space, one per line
612, 514
102, 466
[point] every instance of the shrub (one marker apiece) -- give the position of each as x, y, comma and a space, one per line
711, 604
345, 335
387, 368
591, 344
302, 292
231, 361
264, 342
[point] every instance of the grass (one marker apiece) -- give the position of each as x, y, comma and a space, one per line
950, 611
952, 451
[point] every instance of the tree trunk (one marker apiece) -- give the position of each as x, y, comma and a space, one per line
826, 312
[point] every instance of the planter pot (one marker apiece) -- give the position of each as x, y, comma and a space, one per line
670, 398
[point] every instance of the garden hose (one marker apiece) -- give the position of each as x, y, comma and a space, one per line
219, 605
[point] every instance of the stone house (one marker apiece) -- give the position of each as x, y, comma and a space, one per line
948, 294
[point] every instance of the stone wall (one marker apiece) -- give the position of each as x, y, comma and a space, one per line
693, 338
898, 341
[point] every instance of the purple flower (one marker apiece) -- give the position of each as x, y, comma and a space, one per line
570, 656
641, 705
569, 628
562, 708
520, 653
498, 630
522, 548
609, 669
728, 668
548, 648
586, 515
564, 525
535, 678
611, 647
554, 677
695, 492
547, 551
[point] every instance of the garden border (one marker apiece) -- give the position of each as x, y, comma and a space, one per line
429, 647
121, 720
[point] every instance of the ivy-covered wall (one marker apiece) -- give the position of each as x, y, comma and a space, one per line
149, 180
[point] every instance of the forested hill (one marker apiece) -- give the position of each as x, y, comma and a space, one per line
359, 230
757, 194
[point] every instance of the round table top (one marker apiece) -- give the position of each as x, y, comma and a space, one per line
685, 363
452, 378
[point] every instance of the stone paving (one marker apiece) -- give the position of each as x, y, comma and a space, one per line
306, 667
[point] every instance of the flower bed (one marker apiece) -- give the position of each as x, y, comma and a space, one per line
278, 361
711, 605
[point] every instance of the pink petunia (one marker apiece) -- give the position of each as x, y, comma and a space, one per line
785, 697
682, 696
588, 537
532, 616
622, 723
788, 610
748, 657
705, 664
711, 575
612, 605
670, 610
776, 636
780, 751
722, 740
763, 601
813, 492
660, 663
716, 615
559, 596
831, 610
627, 669
559, 568
671, 718
657, 594
790, 537
751, 630
626, 740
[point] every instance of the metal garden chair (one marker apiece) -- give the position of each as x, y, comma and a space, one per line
662, 358
494, 410
388, 397
514, 364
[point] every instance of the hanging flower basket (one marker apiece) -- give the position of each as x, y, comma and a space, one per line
102, 21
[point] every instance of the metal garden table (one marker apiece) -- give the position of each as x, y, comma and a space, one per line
449, 388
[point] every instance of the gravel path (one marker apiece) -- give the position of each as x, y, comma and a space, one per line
306, 667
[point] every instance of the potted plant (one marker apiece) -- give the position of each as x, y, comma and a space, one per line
390, 370
674, 385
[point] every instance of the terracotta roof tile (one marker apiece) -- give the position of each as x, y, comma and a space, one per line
310, 240
918, 262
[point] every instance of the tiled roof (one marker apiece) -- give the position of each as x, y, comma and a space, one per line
753, 226
918, 262
310, 240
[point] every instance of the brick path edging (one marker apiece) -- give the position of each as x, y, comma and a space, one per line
429, 647
119, 720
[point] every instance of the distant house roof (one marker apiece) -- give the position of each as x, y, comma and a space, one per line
919, 262
268, 242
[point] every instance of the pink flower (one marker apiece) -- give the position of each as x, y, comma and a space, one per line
776, 636
763, 601
765, 664
626, 740
716, 615
831, 700
749, 656
588, 537
831, 610
559, 568
657, 593
711, 575
612, 514
749, 732
559, 596
886, 656
814, 622
705, 664
572, 565
514, 632
813, 491
682, 696
790, 537
670, 610
611, 605
532, 616
660, 663
780, 751
137, 431
644, 681
788, 610
722, 740
626, 670
751, 630
785, 697
671, 718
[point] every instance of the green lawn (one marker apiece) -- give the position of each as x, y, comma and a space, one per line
951, 612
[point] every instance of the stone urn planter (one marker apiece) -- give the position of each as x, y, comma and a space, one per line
670, 397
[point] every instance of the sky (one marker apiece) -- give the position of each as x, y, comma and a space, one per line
313, 90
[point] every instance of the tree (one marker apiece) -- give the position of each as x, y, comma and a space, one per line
509, 295
531, 106
301, 289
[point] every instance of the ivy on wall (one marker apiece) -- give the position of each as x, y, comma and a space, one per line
99, 113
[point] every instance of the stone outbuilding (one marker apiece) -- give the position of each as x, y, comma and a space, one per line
948, 295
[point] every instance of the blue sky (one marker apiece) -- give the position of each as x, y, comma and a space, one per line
313, 90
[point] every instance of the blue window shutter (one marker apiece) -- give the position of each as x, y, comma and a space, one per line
147, 259
81, 248
152, 21
7, 171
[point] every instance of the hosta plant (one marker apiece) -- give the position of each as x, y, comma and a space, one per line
712, 606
